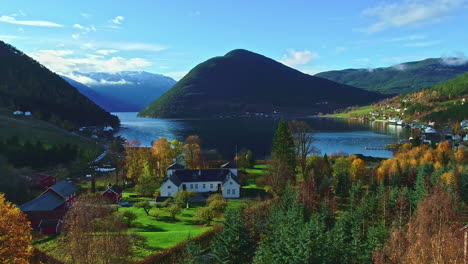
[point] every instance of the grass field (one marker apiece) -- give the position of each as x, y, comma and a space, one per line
363, 110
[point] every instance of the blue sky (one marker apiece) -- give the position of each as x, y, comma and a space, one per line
171, 37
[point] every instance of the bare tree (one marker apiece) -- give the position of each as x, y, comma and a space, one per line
303, 139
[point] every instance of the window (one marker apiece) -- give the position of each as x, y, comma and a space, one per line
168, 194
204, 186
228, 191
233, 191
169, 187
191, 186
230, 183
196, 185
211, 186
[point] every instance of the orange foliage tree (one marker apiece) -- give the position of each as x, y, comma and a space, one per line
15, 234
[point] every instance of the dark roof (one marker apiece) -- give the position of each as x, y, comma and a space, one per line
115, 188
229, 165
46, 202
176, 166
234, 177
45, 223
63, 188
208, 175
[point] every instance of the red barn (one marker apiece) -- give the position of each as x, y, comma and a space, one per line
50, 226
113, 193
41, 180
51, 204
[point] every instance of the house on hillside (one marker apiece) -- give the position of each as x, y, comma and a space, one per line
224, 180
430, 135
113, 193
52, 204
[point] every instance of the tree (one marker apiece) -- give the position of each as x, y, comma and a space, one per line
192, 152
205, 215
182, 197
193, 253
147, 182
93, 233
234, 244
129, 217
283, 146
358, 170
341, 180
302, 139
15, 234
173, 210
144, 205
279, 175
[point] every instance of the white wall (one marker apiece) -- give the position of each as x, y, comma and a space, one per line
168, 189
231, 189
201, 186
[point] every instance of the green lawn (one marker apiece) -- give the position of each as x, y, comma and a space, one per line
360, 111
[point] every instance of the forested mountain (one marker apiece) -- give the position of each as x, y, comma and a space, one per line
29, 86
243, 81
126, 91
401, 78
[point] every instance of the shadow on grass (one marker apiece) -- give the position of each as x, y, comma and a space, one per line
45, 239
147, 228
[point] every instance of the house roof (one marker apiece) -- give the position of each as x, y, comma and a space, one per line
46, 202
207, 175
176, 166
63, 188
229, 165
114, 188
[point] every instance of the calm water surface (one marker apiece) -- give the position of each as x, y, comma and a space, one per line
331, 135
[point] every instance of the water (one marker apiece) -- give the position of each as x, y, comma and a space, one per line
331, 135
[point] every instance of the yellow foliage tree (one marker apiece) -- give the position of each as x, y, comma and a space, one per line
15, 234
358, 169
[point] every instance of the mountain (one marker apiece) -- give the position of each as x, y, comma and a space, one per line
126, 91
108, 103
242, 81
29, 86
402, 78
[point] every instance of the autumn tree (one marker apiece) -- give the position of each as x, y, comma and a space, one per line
302, 138
147, 182
15, 234
192, 152
93, 233
358, 170
278, 176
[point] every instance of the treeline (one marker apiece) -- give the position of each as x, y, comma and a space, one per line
37, 155
28, 86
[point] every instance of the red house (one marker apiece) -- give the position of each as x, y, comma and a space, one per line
113, 193
50, 226
41, 180
51, 204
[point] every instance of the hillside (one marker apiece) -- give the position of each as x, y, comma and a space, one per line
443, 102
126, 91
243, 81
27, 85
402, 78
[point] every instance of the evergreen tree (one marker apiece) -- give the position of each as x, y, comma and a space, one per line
283, 145
234, 244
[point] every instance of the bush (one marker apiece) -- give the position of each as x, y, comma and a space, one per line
144, 205
164, 204
218, 205
182, 197
205, 215
155, 214
173, 210
128, 217
214, 197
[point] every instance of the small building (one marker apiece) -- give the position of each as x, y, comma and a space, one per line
50, 226
430, 135
108, 129
18, 113
224, 180
113, 193
53, 203
27, 114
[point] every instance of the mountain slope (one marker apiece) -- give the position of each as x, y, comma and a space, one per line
108, 103
127, 91
401, 78
27, 85
243, 81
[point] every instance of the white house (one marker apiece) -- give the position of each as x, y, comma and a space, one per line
224, 179
27, 113
18, 113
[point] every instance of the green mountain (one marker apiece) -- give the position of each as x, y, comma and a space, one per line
28, 86
242, 81
402, 78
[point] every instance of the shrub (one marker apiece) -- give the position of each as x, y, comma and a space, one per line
218, 205
128, 217
204, 215
182, 197
173, 210
144, 205
214, 197
155, 214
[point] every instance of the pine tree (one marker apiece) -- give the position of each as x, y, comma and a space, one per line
283, 145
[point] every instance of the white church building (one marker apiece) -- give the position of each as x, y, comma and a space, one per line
224, 180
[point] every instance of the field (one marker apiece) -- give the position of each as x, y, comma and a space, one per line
363, 110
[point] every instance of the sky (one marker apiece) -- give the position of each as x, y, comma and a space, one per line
172, 37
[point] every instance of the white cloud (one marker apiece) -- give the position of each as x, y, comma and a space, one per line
134, 46
409, 12
75, 36
83, 30
93, 82
296, 58
118, 20
37, 23
20, 29
176, 75
399, 67
78, 26
314, 70
407, 38
457, 60
423, 44
106, 52
61, 62
8, 38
